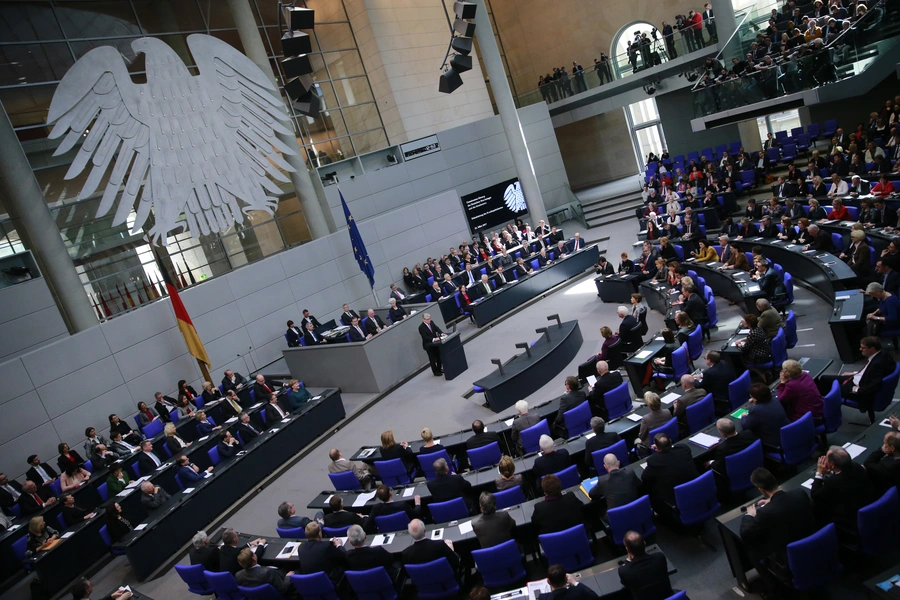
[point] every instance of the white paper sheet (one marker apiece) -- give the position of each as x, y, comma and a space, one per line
289, 550
849, 318
381, 540
465, 527
752, 288
509, 422
886, 423
705, 440
437, 534
363, 498
853, 450
670, 398
67, 535
841, 297
188, 490
808, 484
589, 435
634, 417
592, 380
643, 354
316, 398
139, 527
203, 439
328, 499
232, 420
409, 492
743, 331
643, 465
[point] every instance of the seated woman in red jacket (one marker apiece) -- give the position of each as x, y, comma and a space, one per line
883, 188
839, 211
798, 393
464, 302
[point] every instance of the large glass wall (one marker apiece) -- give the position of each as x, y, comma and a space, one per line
41, 40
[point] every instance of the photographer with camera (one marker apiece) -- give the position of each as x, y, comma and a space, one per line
669, 37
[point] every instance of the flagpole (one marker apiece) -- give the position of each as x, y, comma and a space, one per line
374, 295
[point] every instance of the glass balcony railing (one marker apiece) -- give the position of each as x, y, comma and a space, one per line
745, 73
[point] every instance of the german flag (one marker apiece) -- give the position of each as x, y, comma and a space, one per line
185, 325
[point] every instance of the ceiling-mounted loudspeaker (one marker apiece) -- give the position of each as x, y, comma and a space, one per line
464, 28
462, 45
297, 87
294, 43
450, 80
461, 64
309, 104
297, 66
465, 10
299, 18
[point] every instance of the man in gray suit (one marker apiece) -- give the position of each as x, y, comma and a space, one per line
252, 575
618, 487
492, 528
679, 407
523, 421
152, 496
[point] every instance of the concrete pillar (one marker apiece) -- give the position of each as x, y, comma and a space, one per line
749, 132
315, 206
512, 127
31, 217
723, 10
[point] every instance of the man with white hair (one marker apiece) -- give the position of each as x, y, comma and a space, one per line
727, 250
618, 486
431, 342
152, 496
629, 330
424, 550
523, 420
606, 381
601, 440
204, 554
374, 324
691, 395
447, 485
551, 460
482, 288
361, 557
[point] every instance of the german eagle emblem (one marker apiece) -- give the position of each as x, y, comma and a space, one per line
203, 145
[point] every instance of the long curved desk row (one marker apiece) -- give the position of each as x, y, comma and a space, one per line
729, 523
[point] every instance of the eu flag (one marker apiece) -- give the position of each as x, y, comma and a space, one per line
359, 249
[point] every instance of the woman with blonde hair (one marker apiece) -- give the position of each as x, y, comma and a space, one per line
40, 535
297, 395
210, 393
651, 420
508, 476
430, 445
390, 449
174, 443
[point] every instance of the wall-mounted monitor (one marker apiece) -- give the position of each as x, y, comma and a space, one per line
419, 148
494, 205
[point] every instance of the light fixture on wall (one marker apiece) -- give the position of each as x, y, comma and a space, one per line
296, 64
461, 31
650, 87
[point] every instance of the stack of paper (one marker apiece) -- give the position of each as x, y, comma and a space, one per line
808, 484
382, 540
536, 588
363, 498
139, 527
592, 380
853, 450
705, 440
465, 527
643, 354
634, 417
670, 398
408, 492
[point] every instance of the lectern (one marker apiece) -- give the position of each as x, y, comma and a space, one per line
453, 356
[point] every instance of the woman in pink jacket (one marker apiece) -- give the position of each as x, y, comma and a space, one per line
798, 393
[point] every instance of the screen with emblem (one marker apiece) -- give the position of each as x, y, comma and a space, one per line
494, 205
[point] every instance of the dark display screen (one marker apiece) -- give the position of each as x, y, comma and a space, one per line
495, 205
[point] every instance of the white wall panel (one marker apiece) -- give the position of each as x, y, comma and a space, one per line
217, 323
258, 276
41, 440
136, 360
60, 396
202, 299
155, 317
25, 298
15, 380
65, 356
21, 414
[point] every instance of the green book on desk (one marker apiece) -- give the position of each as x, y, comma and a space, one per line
739, 413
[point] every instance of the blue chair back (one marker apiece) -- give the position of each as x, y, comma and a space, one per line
814, 561
153, 428
223, 585
618, 401
509, 497
501, 565
570, 548
103, 492
834, 417
680, 364
578, 419
392, 472
885, 394
262, 416
798, 440
291, 532
790, 330
779, 348
193, 576
701, 414
740, 465
394, 522
433, 579
62, 522
838, 241
344, 481
20, 547
695, 343
679, 251
136, 469
427, 459
488, 455
451, 510
372, 584
569, 477
634, 516
315, 586
532, 435
682, 595
179, 481
56, 488
620, 449
670, 428
213, 454
879, 525
812, 130
335, 531
260, 592
739, 390
712, 317
696, 500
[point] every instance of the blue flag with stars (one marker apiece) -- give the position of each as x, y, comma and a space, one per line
359, 249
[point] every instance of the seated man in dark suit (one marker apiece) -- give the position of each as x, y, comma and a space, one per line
565, 586
618, 486
246, 429
310, 338
558, 511
293, 334
274, 412
232, 380
263, 388
147, 460
347, 314
883, 465
189, 473
72, 514
228, 553
32, 500
228, 446
715, 379
10, 491
767, 228
387, 506
308, 318
551, 459
374, 324
863, 385
629, 330
543, 259
644, 575
39, 472
837, 498
318, 556
289, 519
732, 443
338, 517
573, 397
493, 527
482, 289
602, 439
204, 554
356, 331
606, 381
253, 575
501, 277
361, 557
153, 496
669, 466
447, 485
424, 550
481, 437
821, 239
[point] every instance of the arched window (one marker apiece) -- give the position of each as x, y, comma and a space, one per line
625, 64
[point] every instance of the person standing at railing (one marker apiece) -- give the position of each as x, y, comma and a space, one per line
669, 37
578, 73
696, 23
709, 21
